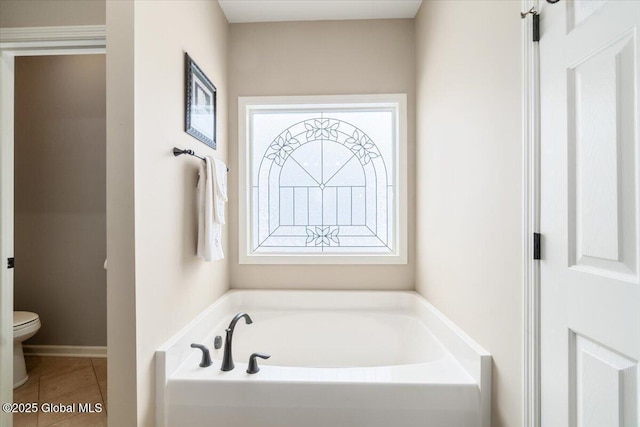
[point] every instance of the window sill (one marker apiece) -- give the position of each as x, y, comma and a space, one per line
346, 259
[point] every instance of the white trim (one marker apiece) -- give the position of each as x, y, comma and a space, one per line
530, 222
24, 42
396, 101
76, 36
6, 234
65, 350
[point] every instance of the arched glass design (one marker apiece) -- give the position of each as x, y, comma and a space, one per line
323, 181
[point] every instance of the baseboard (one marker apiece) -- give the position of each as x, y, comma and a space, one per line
65, 350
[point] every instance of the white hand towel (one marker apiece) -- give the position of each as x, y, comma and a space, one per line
209, 232
220, 190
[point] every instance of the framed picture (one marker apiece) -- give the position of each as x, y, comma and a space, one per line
200, 111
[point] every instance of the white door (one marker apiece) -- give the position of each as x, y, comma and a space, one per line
590, 287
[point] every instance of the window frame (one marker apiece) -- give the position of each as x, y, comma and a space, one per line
248, 105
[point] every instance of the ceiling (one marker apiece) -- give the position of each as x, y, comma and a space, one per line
238, 11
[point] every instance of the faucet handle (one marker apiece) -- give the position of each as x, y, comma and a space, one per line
206, 357
253, 363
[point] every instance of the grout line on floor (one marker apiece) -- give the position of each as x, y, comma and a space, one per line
99, 388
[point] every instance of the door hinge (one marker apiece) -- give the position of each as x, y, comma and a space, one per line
536, 246
536, 27
11, 262
536, 22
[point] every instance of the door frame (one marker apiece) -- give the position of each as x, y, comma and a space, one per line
25, 41
531, 410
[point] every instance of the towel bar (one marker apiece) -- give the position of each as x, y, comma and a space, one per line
177, 152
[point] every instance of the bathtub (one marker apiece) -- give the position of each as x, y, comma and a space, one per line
338, 359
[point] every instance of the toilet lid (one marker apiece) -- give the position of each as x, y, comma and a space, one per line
23, 317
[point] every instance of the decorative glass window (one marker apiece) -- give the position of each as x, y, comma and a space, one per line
325, 181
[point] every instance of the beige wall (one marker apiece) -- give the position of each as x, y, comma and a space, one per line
469, 170
320, 58
171, 285
45, 13
60, 206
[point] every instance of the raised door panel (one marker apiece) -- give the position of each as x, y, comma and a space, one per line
604, 386
602, 166
580, 10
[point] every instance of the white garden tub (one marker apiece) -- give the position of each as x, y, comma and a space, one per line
338, 359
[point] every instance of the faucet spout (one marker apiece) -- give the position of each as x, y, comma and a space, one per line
227, 360
237, 317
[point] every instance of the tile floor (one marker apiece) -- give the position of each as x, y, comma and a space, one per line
63, 381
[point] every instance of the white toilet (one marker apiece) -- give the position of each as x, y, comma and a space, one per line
25, 325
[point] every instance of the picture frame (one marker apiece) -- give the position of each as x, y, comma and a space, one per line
200, 104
